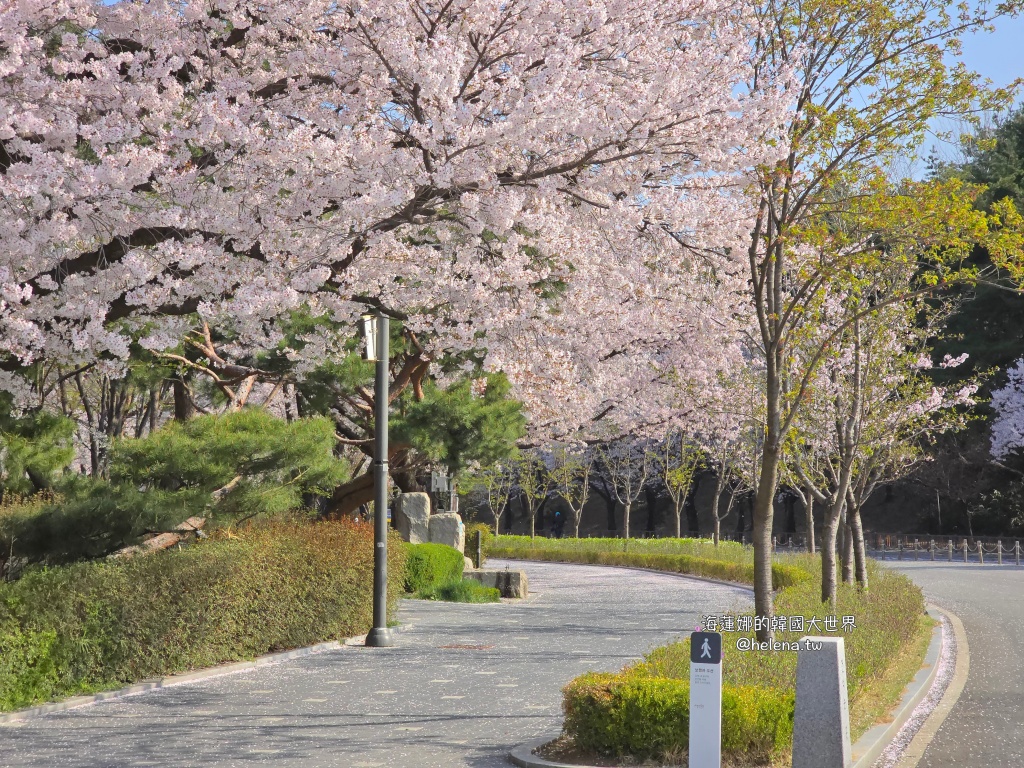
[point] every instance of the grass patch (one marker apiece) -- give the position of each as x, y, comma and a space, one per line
728, 561
642, 712
460, 591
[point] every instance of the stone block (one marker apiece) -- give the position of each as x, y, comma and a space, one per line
447, 528
412, 517
469, 564
508, 583
821, 722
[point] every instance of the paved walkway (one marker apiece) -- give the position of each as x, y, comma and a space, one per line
466, 683
984, 728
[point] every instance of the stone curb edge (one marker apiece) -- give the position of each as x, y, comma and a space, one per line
179, 679
915, 750
874, 741
868, 747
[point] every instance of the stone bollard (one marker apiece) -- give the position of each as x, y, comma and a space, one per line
949, 548
931, 548
821, 722
900, 555
1016, 550
965, 550
915, 550
981, 553
999, 553
479, 549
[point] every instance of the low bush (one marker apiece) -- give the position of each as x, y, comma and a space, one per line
430, 565
673, 555
90, 626
461, 591
637, 715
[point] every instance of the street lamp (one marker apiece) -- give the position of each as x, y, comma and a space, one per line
375, 330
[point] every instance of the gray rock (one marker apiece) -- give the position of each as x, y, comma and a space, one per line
821, 723
509, 583
469, 564
412, 516
447, 528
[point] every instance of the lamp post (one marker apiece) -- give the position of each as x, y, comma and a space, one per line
375, 328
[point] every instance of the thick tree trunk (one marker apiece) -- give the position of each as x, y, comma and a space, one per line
764, 512
348, 497
183, 408
829, 532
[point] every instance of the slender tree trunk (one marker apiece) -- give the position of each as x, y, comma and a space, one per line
626, 507
859, 553
678, 504
764, 511
809, 509
716, 502
847, 553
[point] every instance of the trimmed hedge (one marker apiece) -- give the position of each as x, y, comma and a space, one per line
635, 554
643, 717
98, 625
430, 565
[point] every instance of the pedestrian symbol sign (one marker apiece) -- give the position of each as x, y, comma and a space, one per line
705, 648
705, 700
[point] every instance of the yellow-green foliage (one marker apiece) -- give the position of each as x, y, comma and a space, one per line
729, 561
90, 626
643, 711
428, 566
637, 715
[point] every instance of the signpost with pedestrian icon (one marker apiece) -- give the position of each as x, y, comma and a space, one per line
705, 700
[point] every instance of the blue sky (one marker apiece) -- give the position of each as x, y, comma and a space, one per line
999, 55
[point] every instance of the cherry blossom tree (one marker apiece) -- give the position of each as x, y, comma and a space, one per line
1008, 404
549, 190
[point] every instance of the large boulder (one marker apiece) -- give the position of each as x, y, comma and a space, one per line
412, 517
447, 528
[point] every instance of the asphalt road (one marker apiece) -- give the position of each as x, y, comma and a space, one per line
464, 685
986, 726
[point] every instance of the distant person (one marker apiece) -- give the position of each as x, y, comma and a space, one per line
559, 525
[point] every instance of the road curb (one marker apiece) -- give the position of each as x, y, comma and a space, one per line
875, 740
179, 679
915, 750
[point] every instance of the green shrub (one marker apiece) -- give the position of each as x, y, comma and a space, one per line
461, 591
643, 717
430, 565
258, 464
90, 626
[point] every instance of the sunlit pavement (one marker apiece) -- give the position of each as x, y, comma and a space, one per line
986, 727
465, 684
